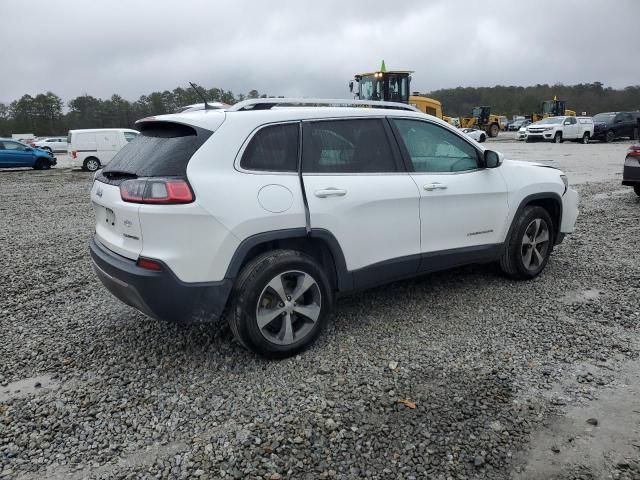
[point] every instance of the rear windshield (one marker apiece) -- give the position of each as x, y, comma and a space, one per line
161, 149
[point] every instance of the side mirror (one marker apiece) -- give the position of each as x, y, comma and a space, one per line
351, 86
492, 159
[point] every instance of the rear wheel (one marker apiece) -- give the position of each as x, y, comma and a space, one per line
529, 245
482, 138
636, 188
610, 136
585, 138
280, 303
92, 164
558, 137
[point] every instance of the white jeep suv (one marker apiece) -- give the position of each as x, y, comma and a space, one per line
266, 214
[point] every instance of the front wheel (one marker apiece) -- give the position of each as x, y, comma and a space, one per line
280, 303
494, 130
529, 245
558, 138
40, 164
585, 138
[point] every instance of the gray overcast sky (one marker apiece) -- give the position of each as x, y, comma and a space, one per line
310, 48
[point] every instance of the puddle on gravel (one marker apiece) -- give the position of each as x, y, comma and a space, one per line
615, 193
592, 439
583, 296
28, 386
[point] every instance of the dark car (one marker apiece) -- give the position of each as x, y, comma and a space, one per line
611, 125
631, 172
17, 154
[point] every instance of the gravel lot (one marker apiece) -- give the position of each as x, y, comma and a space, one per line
533, 380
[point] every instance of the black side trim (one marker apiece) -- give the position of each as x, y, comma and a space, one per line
538, 196
387, 271
444, 259
343, 277
85, 151
420, 264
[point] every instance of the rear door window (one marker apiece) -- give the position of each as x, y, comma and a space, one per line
347, 146
273, 148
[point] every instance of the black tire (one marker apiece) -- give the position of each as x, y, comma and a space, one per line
91, 164
636, 188
527, 140
40, 164
585, 138
513, 259
482, 138
251, 290
558, 138
610, 136
494, 130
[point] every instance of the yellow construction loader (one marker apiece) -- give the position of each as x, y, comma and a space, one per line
482, 118
393, 86
553, 108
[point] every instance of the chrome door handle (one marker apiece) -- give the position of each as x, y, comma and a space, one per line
330, 192
435, 186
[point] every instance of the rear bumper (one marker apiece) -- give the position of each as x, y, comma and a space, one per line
159, 295
631, 171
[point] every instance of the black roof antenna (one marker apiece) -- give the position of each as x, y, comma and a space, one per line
195, 87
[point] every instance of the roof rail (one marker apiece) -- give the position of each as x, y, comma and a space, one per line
268, 103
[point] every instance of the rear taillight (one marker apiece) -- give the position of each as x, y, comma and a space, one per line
148, 264
634, 151
74, 154
165, 191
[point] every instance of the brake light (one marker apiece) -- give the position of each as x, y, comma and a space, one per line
634, 151
74, 154
164, 191
149, 264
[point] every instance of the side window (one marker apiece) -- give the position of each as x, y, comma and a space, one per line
628, 117
14, 146
273, 149
435, 149
347, 146
128, 136
572, 121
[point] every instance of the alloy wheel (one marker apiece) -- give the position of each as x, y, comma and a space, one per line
535, 244
288, 307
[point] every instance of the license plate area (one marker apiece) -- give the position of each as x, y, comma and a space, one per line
110, 217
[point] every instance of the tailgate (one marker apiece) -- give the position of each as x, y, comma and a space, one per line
117, 222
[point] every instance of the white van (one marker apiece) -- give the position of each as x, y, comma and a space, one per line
92, 149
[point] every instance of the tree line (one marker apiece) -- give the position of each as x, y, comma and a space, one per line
45, 113
591, 98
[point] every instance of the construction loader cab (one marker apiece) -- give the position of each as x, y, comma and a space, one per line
482, 114
391, 86
553, 108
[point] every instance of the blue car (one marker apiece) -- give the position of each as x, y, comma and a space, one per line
16, 154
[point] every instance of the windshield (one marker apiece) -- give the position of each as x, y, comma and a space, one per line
550, 121
370, 88
476, 112
398, 86
604, 117
548, 107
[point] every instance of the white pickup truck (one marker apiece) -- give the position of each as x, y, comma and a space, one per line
559, 129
